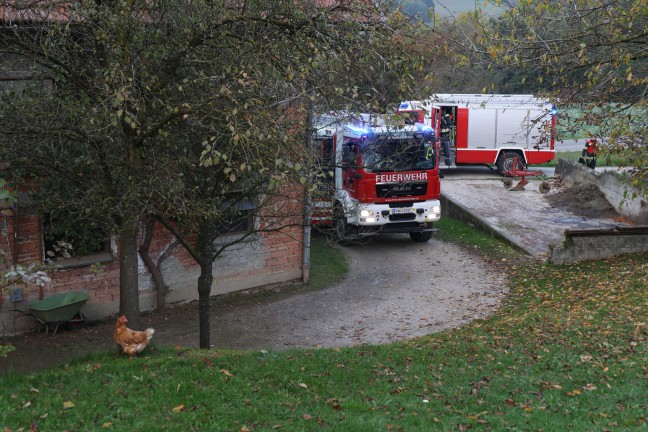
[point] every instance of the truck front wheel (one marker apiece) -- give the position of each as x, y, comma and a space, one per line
343, 232
421, 237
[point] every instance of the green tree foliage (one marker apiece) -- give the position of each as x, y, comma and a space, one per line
588, 53
187, 110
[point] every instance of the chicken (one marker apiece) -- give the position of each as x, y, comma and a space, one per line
131, 341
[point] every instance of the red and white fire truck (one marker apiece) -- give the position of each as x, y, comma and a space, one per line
490, 128
379, 175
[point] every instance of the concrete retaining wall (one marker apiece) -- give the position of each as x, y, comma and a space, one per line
610, 184
578, 245
581, 245
454, 210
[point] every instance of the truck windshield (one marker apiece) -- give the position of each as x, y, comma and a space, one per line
389, 154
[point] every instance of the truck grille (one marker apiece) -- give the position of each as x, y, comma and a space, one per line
389, 190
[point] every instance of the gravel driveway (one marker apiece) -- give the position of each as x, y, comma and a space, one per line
396, 289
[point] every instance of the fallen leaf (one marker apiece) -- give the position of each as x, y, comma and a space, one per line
68, 405
307, 417
93, 367
227, 373
106, 425
178, 408
303, 385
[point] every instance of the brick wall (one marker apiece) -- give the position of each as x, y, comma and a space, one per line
268, 257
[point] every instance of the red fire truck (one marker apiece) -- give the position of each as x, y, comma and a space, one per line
378, 174
489, 128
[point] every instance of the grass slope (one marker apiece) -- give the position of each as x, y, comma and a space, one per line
566, 352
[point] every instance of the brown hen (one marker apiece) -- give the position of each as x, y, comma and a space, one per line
131, 341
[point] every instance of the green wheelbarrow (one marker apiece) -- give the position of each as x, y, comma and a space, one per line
59, 309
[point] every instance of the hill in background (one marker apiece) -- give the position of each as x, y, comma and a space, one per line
445, 9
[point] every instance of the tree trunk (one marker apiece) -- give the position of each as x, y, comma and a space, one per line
204, 289
150, 265
128, 281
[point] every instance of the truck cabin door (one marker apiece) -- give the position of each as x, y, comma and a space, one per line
350, 175
436, 120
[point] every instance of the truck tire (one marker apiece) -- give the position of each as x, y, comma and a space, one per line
343, 232
421, 237
505, 162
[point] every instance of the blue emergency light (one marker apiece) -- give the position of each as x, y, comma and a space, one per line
359, 130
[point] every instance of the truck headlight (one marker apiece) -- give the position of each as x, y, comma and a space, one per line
365, 213
435, 209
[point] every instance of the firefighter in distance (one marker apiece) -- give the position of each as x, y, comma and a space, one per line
589, 154
446, 130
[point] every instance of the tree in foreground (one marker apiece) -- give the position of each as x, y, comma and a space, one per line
190, 111
589, 54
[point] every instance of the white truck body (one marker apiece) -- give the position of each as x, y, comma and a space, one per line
488, 129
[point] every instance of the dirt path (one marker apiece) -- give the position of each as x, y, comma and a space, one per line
396, 289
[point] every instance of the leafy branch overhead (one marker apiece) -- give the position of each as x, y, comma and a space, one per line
189, 111
589, 54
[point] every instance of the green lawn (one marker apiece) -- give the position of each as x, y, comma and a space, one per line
603, 160
566, 352
574, 122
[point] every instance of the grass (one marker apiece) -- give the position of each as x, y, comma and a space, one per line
603, 160
328, 263
575, 122
566, 352
328, 266
451, 230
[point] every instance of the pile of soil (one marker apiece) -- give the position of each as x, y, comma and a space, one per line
583, 199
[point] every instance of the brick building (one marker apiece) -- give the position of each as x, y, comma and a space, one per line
267, 258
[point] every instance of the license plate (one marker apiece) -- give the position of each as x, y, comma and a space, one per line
401, 210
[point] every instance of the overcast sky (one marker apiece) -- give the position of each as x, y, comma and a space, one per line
454, 7
445, 8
